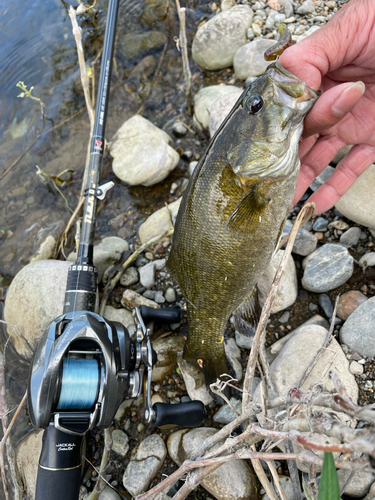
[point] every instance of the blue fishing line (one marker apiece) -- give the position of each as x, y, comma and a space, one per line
79, 385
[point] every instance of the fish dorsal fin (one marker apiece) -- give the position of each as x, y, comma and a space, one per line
249, 210
246, 316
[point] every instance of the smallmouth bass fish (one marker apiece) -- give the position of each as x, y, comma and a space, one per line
234, 209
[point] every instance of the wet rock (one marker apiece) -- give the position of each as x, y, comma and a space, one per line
216, 42
27, 460
233, 354
249, 59
359, 485
35, 297
233, 480
358, 332
320, 224
46, 250
327, 268
120, 443
106, 253
204, 100
147, 275
367, 260
140, 73
132, 45
326, 304
225, 414
159, 222
139, 142
194, 381
129, 277
123, 316
220, 110
131, 299
358, 203
305, 242
157, 10
275, 348
144, 466
288, 288
286, 483
166, 350
356, 368
308, 7
349, 302
350, 237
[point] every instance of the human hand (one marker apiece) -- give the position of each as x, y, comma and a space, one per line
338, 59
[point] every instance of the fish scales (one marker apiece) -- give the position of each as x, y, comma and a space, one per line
234, 209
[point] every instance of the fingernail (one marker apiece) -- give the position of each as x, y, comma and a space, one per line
342, 105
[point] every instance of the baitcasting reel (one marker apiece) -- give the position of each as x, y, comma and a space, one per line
83, 367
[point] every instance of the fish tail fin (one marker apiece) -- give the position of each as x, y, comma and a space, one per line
246, 316
213, 365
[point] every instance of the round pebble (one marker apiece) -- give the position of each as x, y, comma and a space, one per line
349, 302
358, 332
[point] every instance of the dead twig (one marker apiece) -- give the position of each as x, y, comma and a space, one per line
181, 11
103, 465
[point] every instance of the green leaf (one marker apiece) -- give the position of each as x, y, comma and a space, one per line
178, 370
329, 488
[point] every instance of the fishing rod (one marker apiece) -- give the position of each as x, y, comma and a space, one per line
85, 365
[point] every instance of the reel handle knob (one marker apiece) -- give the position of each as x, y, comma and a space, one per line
189, 414
170, 315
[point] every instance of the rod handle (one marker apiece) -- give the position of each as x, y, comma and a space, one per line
58, 484
170, 315
189, 414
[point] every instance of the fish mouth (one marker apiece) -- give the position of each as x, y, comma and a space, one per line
290, 90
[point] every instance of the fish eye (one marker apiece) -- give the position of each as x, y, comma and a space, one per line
254, 104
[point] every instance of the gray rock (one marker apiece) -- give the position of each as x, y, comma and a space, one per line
131, 45
27, 460
350, 237
326, 304
216, 42
149, 294
205, 98
35, 297
286, 483
159, 264
356, 368
367, 260
359, 485
227, 4
122, 408
288, 288
275, 348
274, 17
123, 316
233, 354
144, 466
288, 9
322, 178
225, 414
327, 268
358, 332
284, 318
305, 242
108, 493
244, 341
166, 350
129, 277
170, 295
220, 110
308, 7
159, 222
179, 129
120, 443
159, 297
106, 253
139, 142
249, 59
147, 275
194, 381
233, 480
358, 203
320, 224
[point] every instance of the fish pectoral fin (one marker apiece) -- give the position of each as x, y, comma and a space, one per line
246, 316
249, 210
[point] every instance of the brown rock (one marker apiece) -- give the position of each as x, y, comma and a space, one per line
349, 302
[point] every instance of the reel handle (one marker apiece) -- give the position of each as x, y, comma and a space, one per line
59, 469
170, 315
189, 414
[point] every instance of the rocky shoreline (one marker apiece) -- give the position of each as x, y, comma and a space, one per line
333, 254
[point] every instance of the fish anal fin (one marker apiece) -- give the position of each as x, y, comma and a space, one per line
246, 316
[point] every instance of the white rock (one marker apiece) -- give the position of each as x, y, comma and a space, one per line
35, 297
216, 42
166, 350
131, 299
144, 466
358, 203
205, 98
220, 110
233, 480
141, 153
106, 253
367, 260
147, 275
307, 33
288, 288
356, 368
194, 381
159, 222
249, 59
123, 316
